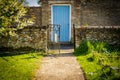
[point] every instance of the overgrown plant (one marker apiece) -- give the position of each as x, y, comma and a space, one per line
93, 46
99, 60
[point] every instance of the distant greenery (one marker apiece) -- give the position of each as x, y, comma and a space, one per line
99, 60
19, 67
12, 17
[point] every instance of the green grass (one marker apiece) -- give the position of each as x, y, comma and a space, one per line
98, 60
89, 67
19, 67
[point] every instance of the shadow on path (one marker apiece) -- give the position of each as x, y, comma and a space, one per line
61, 55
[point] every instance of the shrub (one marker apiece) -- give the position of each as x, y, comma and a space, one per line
92, 46
103, 60
82, 49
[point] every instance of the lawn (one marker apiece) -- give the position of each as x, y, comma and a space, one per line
98, 60
20, 67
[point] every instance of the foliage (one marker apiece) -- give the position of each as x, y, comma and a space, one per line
98, 60
12, 17
93, 46
39, 1
19, 67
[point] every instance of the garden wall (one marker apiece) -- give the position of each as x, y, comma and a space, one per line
32, 37
106, 34
99, 21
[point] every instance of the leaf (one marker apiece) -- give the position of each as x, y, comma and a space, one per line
12, 13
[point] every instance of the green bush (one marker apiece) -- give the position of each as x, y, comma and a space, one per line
93, 46
99, 60
82, 49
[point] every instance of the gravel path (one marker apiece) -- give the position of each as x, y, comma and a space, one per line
61, 66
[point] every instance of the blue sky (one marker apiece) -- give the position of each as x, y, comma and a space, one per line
32, 2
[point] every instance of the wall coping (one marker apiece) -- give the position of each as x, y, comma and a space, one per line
97, 26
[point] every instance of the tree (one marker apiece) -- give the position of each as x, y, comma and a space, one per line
39, 2
12, 17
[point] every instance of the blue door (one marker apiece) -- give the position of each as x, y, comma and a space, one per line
61, 15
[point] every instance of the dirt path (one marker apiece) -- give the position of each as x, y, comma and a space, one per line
61, 66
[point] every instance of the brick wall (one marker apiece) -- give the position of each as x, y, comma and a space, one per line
99, 21
37, 13
100, 13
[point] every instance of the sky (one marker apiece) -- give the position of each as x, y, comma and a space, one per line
32, 2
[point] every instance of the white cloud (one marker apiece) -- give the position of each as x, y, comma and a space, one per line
32, 2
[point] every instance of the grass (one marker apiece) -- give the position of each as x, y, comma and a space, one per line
98, 60
19, 67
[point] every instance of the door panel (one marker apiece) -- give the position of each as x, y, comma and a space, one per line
61, 15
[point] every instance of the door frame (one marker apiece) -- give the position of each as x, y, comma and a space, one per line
69, 16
